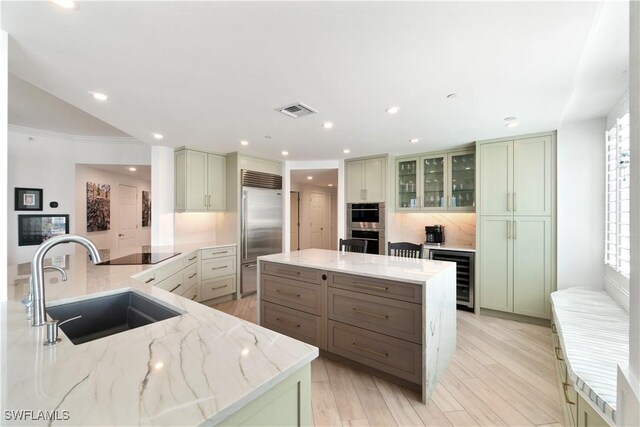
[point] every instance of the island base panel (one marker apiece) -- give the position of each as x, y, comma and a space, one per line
286, 404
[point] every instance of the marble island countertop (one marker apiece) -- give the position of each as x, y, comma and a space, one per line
201, 366
411, 270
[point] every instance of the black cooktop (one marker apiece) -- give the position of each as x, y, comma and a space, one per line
140, 258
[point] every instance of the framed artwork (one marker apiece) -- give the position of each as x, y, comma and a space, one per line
28, 199
98, 207
146, 208
35, 229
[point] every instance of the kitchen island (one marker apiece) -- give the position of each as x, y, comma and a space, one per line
395, 317
201, 367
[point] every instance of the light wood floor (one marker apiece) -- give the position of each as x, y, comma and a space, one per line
502, 374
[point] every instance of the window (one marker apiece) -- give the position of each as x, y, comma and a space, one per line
617, 227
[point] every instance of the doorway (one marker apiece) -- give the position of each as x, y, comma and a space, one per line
314, 209
295, 220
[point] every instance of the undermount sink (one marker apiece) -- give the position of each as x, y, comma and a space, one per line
108, 315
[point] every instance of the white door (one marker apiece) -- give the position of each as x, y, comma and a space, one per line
295, 221
127, 216
316, 220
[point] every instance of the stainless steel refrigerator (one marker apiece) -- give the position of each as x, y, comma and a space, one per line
261, 231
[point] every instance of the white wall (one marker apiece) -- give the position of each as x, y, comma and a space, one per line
580, 202
108, 239
4, 147
47, 160
195, 227
162, 190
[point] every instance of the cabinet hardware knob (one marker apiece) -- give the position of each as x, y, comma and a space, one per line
324, 277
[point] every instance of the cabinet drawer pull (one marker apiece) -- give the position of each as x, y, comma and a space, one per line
557, 354
288, 321
193, 275
219, 252
179, 284
191, 259
214, 288
508, 202
290, 294
288, 272
381, 316
514, 202
219, 268
151, 279
370, 350
375, 288
194, 297
566, 398
553, 328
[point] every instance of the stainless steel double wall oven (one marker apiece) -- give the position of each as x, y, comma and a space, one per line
366, 221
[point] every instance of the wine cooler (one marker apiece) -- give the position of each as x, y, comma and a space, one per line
464, 272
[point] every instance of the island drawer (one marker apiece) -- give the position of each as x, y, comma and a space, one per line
173, 283
291, 293
293, 323
191, 258
215, 288
398, 319
190, 275
218, 267
386, 288
193, 293
394, 356
217, 252
298, 273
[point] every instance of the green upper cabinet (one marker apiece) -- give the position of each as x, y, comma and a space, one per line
436, 182
366, 180
200, 181
515, 178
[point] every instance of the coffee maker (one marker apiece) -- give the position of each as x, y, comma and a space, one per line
435, 234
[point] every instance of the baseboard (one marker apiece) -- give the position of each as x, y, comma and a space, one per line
214, 301
516, 317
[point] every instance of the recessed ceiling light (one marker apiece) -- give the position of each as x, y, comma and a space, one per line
267, 136
392, 110
66, 4
99, 96
157, 135
511, 121
309, 177
414, 140
346, 151
244, 142
132, 169
452, 96
285, 153
330, 185
327, 125
511, 124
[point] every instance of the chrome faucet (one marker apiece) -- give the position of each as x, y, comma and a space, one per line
28, 298
37, 270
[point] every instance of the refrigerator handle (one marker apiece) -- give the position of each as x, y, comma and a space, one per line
243, 225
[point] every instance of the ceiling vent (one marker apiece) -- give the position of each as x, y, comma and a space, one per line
297, 110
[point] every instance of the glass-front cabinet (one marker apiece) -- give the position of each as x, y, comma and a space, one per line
436, 182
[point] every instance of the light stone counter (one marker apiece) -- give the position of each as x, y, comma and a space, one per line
437, 279
199, 367
449, 247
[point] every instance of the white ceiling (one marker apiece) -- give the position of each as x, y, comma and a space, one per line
142, 172
209, 74
321, 177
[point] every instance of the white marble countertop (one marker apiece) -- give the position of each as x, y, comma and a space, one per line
412, 270
450, 247
594, 334
201, 366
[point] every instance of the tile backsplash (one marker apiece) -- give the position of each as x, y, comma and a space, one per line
459, 228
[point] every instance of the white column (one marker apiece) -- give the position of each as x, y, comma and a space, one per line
162, 194
4, 147
628, 401
286, 217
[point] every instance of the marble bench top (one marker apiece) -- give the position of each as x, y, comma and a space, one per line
411, 270
594, 335
199, 367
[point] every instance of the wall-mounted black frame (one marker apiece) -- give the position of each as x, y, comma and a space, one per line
35, 229
28, 199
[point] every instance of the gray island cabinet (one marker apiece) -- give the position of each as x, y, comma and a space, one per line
394, 317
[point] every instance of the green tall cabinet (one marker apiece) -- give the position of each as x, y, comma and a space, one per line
516, 232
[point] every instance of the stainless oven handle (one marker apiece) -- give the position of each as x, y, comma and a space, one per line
364, 209
366, 238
